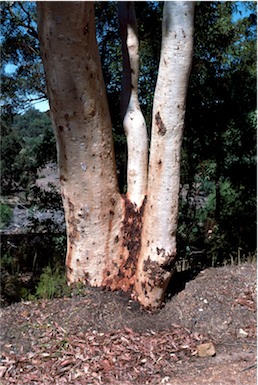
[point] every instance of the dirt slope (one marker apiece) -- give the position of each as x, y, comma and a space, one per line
101, 337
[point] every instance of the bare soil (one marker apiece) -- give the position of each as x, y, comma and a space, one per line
102, 337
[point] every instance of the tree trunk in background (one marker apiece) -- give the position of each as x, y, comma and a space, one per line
113, 241
158, 251
133, 120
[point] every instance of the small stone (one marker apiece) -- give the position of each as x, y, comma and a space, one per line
242, 333
206, 350
165, 380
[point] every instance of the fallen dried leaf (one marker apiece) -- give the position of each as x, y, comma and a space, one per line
128, 330
2, 371
67, 362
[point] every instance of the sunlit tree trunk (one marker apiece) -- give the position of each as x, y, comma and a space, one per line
114, 241
94, 209
133, 120
158, 250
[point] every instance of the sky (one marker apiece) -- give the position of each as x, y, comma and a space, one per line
42, 105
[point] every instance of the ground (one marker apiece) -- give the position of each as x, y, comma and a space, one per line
100, 337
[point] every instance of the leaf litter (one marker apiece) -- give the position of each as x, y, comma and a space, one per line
106, 338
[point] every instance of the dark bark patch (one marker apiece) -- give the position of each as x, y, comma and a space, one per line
160, 251
120, 273
144, 289
110, 225
157, 272
61, 128
86, 278
161, 126
169, 259
132, 229
62, 178
86, 29
73, 231
123, 275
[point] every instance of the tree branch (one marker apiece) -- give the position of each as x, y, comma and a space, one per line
133, 120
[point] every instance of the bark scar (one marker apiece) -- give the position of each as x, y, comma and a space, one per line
161, 126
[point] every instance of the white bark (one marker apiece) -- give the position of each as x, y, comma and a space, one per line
133, 120
106, 233
94, 209
158, 251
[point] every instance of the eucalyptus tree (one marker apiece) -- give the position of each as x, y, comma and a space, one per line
121, 242
223, 69
22, 74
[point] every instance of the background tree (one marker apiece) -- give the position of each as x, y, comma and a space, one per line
27, 143
22, 75
219, 136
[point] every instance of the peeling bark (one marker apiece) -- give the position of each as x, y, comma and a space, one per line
123, 274
158, 252
133, 120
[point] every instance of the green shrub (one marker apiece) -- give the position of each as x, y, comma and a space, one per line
6, 214
52, 284
10, 264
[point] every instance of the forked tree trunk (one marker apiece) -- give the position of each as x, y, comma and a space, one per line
109, 242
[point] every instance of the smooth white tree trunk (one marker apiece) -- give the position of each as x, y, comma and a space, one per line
133, 120
158, 251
